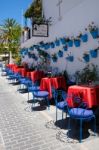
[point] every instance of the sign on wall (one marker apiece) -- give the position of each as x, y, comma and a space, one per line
40, 30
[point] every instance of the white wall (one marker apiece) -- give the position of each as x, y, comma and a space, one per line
76, 16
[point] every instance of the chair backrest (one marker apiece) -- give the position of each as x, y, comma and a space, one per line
79, 103
59, 95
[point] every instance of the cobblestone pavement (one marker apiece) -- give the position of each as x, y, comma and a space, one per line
23, 129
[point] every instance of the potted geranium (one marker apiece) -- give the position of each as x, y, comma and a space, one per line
63, 40
70, 57
57, 42
86, 56
60, 53
69, 41
93, 30
94, 52
54, 57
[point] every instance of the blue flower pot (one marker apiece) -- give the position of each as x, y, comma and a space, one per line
31, 48
93, 53
77, 43
94, 34
70, 58
46, 46
84, 37
29, 55
54, 59
65, 48
86, 58
63, 41
57, 43
60, 54
70, 43
52, 45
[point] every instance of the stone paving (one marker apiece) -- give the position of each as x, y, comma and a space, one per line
24, 129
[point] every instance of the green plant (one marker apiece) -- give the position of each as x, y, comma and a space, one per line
54, 56
92, 27
89, 73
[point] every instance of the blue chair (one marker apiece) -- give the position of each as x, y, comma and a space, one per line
33, 88
80, 113
38, 96
60, 102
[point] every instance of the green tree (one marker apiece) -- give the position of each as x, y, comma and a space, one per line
11, 36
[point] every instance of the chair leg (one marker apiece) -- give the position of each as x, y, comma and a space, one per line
48, 104
56, 114
94, 126
80, 130
62, 114
68, 126
28, 95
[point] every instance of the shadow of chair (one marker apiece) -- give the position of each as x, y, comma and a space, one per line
39, 96
60, 102
80, 113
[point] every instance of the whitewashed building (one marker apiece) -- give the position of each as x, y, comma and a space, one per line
69, 18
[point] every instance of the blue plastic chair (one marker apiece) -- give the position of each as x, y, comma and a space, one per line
81, 113
60, 102
38, 96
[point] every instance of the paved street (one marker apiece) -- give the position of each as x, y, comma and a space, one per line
24, 129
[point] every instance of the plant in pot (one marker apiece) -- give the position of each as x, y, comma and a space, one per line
88, 74
94, 52
77, 41
70, 57
65, 48
54, 57
60, 53
84, 36
63, 40
69, 41
93, 30
57, 42
86, 56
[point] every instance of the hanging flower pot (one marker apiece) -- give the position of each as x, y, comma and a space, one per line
94, 53
86, 57
60, 53
84, 37
70, 58
65, 48
54, 58
52, 45
57, 42
63, 40
93, 30
77, 42
29, 55
33, 56
94, 33
31, 48
46, 46
70, 42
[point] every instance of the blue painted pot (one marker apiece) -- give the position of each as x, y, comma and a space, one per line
86, 58
65, 48
77, 43
60, 54
52, 45
70, 43
46, 46
84, 37
93, 53
57, 43
54, 59
70, 58
63, 41
94, 34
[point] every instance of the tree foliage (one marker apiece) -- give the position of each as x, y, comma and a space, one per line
10, 38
